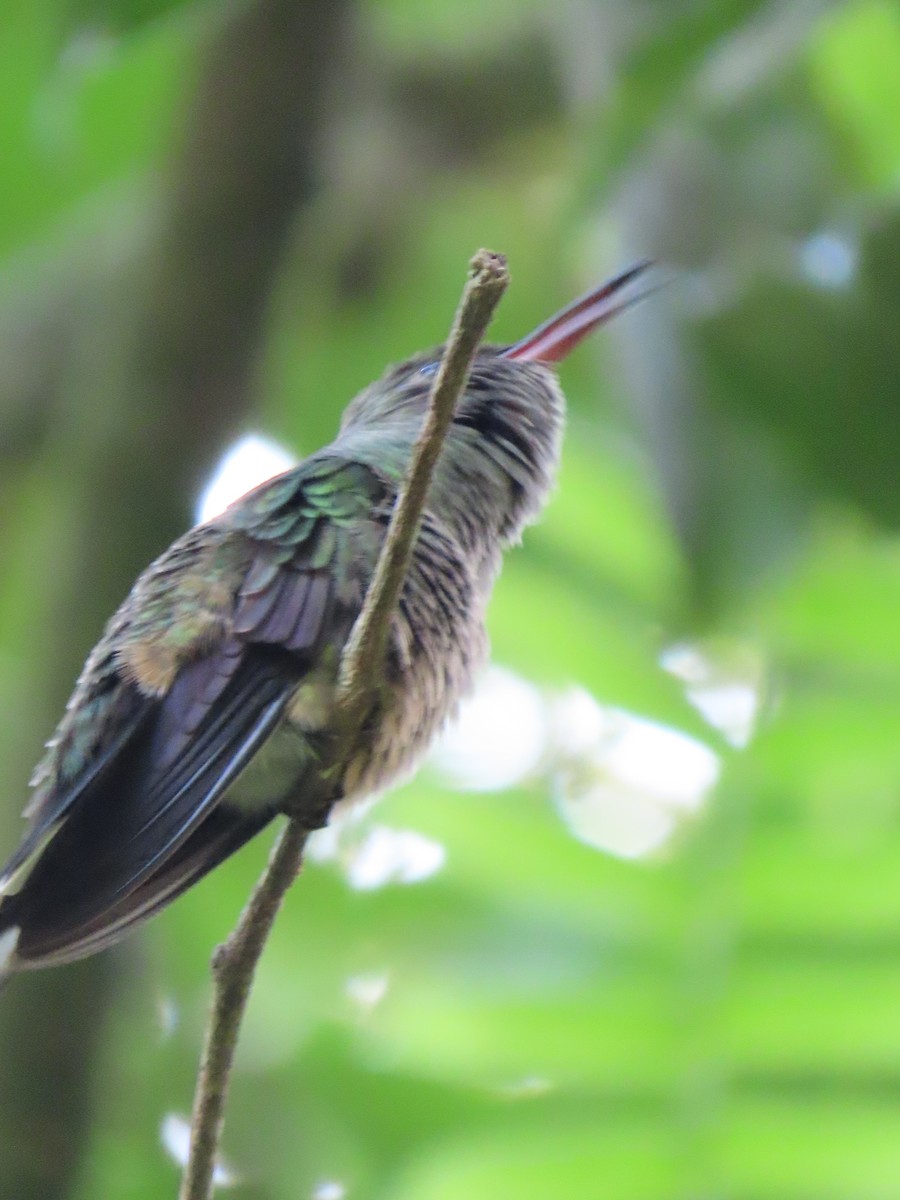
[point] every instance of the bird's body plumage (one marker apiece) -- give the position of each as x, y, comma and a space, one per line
208, 705
205, 708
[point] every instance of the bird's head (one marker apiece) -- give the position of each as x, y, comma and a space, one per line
512, 409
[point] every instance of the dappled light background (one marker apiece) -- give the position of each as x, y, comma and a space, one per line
634, 929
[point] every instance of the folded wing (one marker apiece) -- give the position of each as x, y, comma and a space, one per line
149, 813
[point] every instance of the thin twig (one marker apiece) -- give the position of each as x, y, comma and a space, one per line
365, 650
234, 964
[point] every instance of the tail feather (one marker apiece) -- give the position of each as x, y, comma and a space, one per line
8, 942
152, 822
37, 928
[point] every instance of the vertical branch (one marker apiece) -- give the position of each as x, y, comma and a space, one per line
234, 964
366, 648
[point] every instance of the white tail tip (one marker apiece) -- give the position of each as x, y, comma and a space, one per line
9, 939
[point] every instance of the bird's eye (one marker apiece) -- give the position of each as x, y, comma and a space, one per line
429, 368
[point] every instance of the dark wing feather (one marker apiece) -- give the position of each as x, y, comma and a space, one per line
134, 710
223, 832
139, 816
190, 700
310, 621
289, 611
107, 862
176, 799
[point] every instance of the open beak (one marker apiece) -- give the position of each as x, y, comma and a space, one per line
553, 340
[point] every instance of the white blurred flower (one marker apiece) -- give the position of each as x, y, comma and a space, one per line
175, 1134
725, 689
367, 990
372, 856
829, 259
621, 782
167, 1016
499, 736
614, 817
386, 856
251, 460
324, 845
328, 1189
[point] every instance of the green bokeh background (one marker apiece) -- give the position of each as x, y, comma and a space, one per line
220, 218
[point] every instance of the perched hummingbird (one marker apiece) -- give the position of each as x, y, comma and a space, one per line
205, 709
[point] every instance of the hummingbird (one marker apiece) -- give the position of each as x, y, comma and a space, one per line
208, 705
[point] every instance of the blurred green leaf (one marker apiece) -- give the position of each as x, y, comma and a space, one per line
819, 369
538, 1018
853, 61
